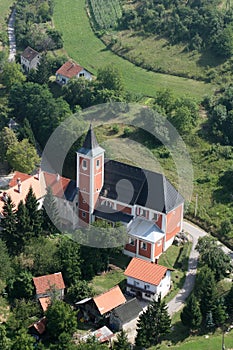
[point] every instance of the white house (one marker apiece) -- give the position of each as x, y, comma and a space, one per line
46, 286
71, 70
29, 59
147, 280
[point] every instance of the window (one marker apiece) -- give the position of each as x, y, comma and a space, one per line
84, 201
83, 214
84, 164
97, 163
159, 243
143, 245
135, 283
131, 241
155, 217
147, 295
81, 75
147, 286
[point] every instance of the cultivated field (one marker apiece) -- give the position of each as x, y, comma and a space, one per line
82, 45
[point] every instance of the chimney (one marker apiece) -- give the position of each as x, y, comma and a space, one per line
57, 177
19, 184
5, 196
38, 173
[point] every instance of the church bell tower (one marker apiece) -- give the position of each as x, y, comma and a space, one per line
90, 176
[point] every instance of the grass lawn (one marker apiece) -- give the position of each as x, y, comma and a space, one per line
107, 280
4, 11
82, 45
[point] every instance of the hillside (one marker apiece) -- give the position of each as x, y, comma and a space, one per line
189, 39
87, 49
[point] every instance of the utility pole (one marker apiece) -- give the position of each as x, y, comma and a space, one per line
223, 342
195, 211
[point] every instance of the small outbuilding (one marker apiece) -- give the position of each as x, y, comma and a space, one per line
29, 59
123, 314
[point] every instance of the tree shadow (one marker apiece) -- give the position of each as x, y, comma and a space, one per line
208, 59
178, 334
224, 194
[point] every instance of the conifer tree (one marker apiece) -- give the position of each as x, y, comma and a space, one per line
34, 214
191, 314
50, 213
219, 313
206, 291
9, 225
153, 324
122, 342
23, 227
229, 303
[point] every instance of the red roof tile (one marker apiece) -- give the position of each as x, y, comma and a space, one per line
57, 183
109, 300
58, 186
45, 302
145, 271
18, 175
39, 325
44, 283
69, 69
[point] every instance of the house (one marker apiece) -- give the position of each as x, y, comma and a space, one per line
71, 70
123, 314
147, 280
29, 59
49, 286
64, 191
99, 307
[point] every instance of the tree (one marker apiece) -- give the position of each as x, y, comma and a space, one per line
121, 343
23, 340
79, 290
22, 313
229, 302
34, 214
42, 73
60, 319
5, 262
23, 228
8, 139
21, 286
78, 92
214, 257
4, 340
9, 225
206, 290
109, 77
68, 255
153, 324
223, 42
23, 156
191, 313
12, 74
219, 314
50, 213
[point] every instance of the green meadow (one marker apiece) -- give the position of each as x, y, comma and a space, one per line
81, 44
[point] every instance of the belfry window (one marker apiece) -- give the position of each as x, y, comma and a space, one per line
84, 164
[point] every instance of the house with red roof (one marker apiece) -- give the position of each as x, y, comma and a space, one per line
64, 191
147, 280
48, 286
71, 70
100, 307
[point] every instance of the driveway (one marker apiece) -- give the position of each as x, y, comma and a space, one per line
11, 37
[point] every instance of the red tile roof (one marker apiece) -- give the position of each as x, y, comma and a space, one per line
109, 300
69, 69
58, 186
145, 271
18, 175
57, 183
45, 302
44, 283
39, 325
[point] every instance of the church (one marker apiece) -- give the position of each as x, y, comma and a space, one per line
144, 201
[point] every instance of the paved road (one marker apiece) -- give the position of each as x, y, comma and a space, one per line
178, 301
11, 37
